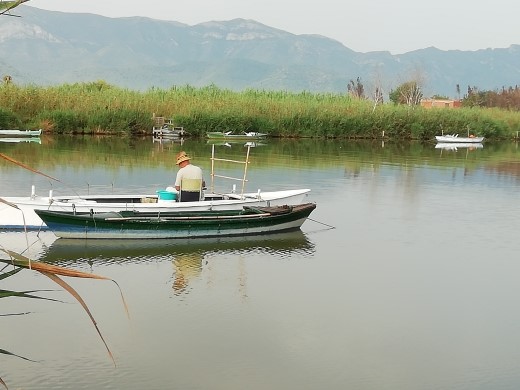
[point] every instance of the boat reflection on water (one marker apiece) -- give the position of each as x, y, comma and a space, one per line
168, 140
67, 251
188, 256
455, 146
21, 140
186, 267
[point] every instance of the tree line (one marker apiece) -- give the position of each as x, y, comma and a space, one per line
410, 93
507, 98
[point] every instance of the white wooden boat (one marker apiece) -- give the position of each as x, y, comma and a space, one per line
18, 212
454, 138
20, 133
15, 212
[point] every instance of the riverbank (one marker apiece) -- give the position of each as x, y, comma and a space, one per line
99, 108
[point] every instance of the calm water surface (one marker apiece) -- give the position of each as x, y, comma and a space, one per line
415, 287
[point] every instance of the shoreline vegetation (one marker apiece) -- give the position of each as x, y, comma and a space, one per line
100, 108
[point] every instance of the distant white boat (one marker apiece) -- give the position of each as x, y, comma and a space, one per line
454, 138
20, 133
228, 135
229, 143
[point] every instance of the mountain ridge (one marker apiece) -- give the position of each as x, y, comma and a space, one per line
51, 47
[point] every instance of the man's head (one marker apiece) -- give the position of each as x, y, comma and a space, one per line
181, 157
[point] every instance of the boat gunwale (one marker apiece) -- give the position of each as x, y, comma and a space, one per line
245, 212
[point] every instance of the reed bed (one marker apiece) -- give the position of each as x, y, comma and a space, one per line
100, 108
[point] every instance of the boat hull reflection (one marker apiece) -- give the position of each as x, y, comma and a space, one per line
455, 146
71, 250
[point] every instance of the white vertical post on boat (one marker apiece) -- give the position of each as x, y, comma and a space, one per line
50, 196
212, 169
245, 170
33, 191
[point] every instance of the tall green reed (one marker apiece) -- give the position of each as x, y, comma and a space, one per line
98, 107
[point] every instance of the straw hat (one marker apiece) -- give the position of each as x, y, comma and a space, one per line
182, 156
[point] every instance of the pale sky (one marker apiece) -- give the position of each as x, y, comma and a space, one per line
397, 26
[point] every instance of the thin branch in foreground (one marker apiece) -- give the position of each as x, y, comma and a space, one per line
52, 272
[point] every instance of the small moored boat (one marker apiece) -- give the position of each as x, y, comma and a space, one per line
137, 225
228, 135
20, 133
454, 138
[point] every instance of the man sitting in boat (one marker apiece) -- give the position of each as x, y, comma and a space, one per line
189, 181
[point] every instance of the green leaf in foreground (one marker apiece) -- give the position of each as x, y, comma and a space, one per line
4, 352
20, 262
24, 294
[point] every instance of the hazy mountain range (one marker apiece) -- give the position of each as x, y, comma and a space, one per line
47, 47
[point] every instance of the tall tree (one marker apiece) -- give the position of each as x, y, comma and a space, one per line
376, 89
356, 89
409, 93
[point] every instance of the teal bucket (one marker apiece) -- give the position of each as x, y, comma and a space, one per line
166, 195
